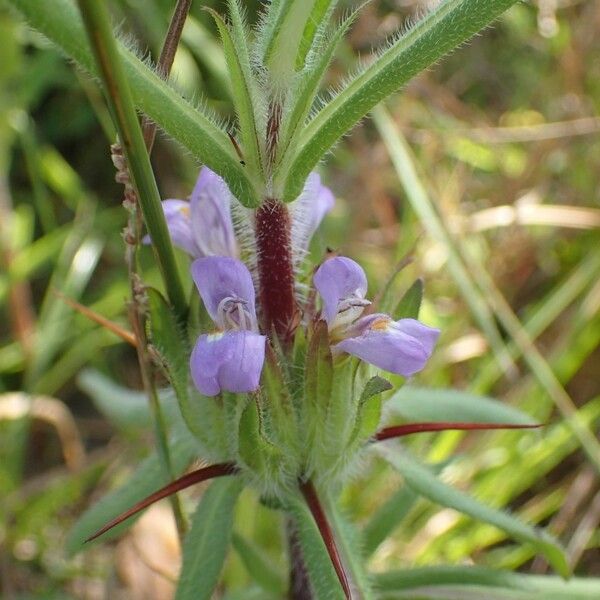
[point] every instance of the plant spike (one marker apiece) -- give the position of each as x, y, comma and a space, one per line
314, 504
198, 476
396, 431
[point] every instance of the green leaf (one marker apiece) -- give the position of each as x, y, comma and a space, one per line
444, 28
433, 405
285, 42
410, 304
463, 583
324, 581
307, 88
423, 481
262, 571
350, 545
245, 93
318, 18
369, 409
121, 406
206, 544
60, 22
146, 479
318, 381
387, 517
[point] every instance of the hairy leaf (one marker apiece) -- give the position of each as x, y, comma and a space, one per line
447, 26
206, 543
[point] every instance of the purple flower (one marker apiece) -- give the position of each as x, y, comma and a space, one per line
342, 284
308, 210
204, 226
401, 347
231, 359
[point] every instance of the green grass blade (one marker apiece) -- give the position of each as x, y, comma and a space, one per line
485, 582
59, 21
422, 205
423, 481
206, 544
443, 29
489, 304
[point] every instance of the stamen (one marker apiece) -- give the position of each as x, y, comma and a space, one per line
232, 314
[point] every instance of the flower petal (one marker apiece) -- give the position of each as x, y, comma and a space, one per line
210, 205
401, 347
177, 215
339, 279
230, 362
308, 210
220, 277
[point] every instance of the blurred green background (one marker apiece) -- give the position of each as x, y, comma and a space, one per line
505, 143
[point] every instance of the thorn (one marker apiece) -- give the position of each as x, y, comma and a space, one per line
197, 476
410, 428
314, 505
125, 335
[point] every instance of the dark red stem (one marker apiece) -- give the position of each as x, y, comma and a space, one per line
410, 428
275, 269
210, 472
314, 504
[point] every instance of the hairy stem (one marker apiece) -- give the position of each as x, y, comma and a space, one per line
275, 270
97, 23
300, 588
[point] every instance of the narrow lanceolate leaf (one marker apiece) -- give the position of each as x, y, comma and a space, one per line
318, 381
307, 88
258, 567
428, 404
242, 83
410, 304
206, 544
461, 582
442, 30
285, 42
323, 579
319, 15
59, 21
147, 478
424, 482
